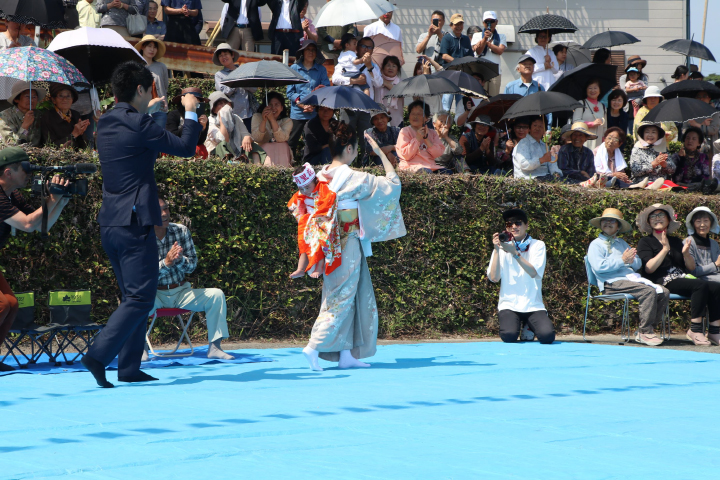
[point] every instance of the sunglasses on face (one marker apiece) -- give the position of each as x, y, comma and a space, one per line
516, 223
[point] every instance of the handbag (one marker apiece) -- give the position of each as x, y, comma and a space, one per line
136, 24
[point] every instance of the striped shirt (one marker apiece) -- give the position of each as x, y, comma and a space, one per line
185, 264
9, 206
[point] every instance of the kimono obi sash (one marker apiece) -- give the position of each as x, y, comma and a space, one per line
348, 217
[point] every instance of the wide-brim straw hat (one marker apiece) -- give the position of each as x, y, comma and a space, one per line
643, 125
151, 38
644, 225
20, 87
714, 228
225, 47
612, 214
634, 60
482, 120
582, 128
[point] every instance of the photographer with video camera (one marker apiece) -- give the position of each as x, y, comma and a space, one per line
16, 213
518, 263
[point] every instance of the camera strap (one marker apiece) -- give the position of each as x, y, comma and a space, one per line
44, 221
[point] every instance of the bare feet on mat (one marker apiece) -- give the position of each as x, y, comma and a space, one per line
215, 352
98, 371
137, 377
348, 361
312, 357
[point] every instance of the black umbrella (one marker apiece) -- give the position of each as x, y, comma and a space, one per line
422, 86
690, 88
340, 97
575, 81
689, 48
494, 107
552, 24
475, 66
609, 39
43, 13
466, 83
541, 103
263, 74
680, 110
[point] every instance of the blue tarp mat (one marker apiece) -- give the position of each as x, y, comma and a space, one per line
199, 357
480, 410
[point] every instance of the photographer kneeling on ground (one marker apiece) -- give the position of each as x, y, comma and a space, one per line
15, 212
519, 264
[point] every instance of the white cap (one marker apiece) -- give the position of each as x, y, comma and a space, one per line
489, 14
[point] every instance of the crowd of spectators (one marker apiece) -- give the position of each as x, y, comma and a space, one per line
414, 133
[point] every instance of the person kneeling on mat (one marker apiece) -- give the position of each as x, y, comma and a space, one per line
518, 263
176, 254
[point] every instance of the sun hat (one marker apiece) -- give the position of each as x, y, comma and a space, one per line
151, 38
643, 125
652, 91
636, 60
380, 111
224, 47
644, 225
56, 88
482, 120
613, 214
194, 90
216, 97
456, 18
579, 127
319, 58
714, 228
20, 87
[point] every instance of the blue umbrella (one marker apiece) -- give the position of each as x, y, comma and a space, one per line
340, 97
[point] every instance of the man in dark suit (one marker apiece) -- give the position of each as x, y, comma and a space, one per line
128, 142
285, 29
242, 28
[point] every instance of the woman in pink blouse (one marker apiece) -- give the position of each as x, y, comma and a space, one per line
418, 146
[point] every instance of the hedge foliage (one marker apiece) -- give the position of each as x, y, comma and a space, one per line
430, 282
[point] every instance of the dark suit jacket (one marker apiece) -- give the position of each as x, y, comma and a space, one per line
276, 8
128, 143
252, 13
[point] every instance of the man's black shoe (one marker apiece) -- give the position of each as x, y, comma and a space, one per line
98, 371
140, 376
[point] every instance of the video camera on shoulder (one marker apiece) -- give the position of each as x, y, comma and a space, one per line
41, 183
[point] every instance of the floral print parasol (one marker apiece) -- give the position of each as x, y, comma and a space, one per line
32, 64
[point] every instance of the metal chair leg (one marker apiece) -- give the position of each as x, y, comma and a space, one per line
587, 307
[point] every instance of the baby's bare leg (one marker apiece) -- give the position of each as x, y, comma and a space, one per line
318, 269
302, 265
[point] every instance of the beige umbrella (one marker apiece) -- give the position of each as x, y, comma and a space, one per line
384, 47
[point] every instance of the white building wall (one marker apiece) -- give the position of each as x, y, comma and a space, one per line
654, 22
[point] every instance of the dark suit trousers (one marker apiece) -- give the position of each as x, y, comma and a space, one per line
133, 255
285, 40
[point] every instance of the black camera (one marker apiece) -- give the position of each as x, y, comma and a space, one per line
505, 236
41, 184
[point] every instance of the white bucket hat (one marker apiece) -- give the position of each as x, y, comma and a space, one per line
653, 91
714, 228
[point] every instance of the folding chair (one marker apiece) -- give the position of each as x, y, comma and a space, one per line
626, 297
24, 326
177, 313
673, 296
70, 313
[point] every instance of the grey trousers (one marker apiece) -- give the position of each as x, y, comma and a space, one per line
652, 304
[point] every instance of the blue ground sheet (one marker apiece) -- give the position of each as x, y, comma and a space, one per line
482, 410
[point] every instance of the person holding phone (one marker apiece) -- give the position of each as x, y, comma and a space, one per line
428, 43
490, 45
176, 118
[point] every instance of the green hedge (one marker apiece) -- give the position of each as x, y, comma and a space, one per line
430, 282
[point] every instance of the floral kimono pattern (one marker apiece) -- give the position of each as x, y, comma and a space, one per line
301, 207
348, 317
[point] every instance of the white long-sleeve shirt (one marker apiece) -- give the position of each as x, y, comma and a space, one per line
541, 75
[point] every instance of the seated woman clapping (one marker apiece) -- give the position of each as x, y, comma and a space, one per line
666, 261
62, 126
704, 251
478, 145
649, 161
418, 146
615, 264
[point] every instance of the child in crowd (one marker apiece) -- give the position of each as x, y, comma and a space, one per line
634, 88
350, 64
301, 206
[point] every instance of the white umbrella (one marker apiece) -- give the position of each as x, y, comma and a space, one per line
96, 52
338, 13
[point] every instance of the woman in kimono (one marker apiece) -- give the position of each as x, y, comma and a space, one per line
352, 210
